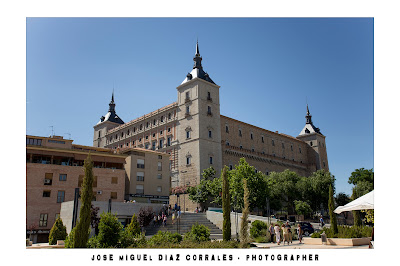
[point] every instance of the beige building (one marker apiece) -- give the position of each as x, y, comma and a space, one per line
54, 168
196, 136
148, 175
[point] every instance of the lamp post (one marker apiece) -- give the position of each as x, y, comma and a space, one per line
184, 194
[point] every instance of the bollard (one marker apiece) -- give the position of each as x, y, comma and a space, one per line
324, 239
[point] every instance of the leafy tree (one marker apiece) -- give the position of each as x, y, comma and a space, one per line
109, 230
362, 188
361, 174
226, 206
202, 192
57, 232
145, 216
342, 199
320, 182
244, 226
83, 226
332, 215
94, 218
284, 189
302, 207
369, 216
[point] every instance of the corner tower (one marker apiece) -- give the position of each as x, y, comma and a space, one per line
317, 147
198, 126
107, 122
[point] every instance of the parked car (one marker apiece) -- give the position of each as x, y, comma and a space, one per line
292, 220
307, 228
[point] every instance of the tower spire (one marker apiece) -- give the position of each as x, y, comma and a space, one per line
112, 104
197, 58
308, 117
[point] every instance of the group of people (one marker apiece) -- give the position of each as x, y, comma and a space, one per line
283, 233
167, 211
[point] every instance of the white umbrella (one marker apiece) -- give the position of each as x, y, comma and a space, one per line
365, 202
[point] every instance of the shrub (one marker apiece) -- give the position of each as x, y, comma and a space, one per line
57, 232
69, 241
263, 239
109, 230
93, 242
145, 216
258, 228
345, 232
164, 237
198, 233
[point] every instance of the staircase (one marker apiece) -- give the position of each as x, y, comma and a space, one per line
186, 222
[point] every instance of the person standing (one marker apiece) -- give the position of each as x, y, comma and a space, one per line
272, 233
173, 218
285, 234
300, 232
321, 220
277, 233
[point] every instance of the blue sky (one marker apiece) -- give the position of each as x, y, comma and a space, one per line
267, 69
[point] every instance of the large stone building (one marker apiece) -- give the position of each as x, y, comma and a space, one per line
196, 136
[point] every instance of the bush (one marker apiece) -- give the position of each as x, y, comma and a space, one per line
258, 228
57, 232
263, 239
145, 216
345, 232
198, 233
164, 237
109, 230
191, 244
133, 228
93, 242
69, 241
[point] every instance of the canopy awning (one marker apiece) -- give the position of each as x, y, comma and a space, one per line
365, 202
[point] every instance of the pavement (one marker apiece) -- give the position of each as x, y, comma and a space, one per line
296, 245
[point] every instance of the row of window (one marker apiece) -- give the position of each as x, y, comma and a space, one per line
140, 176
147, 145
188, 110
134, 129
48, 179
241, 147
140, 189
140, 163
187, 94
189, 160
61, 195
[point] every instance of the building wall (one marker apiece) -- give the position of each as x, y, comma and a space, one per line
267, 151
151, 181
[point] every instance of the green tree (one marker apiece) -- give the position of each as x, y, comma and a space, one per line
302, 207
133, 228
109, 230
361, 175
244, 226
284, 188
82, 228
69, 241
320, 182
57, 232
226, 206
202, 192
332, 215
342, 199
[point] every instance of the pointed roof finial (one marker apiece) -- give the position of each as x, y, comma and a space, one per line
308, 112
197, 48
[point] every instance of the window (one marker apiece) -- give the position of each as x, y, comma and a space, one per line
153, 146
241, 147
140, 163
299, 150
63, 177
46, 194
226, 129
169, 141
187, 109
140, 176
113, 195
252, 149
140, 127
161, 132
114, 180
209, 110
324, 164
134, 129
154, 135
159, 176
127, 132
37, 142
154, 122
99, 134
273, 143
209, 96
240, 132
291, 147
311, 143
48, 179
60, 196
188, 160
159, 166
162, 118
262, 139
116, 136
146, 146
147, 137
188, 134
133, 143
209, 134
227, 143
169, 116
169, 129
121, 145
127, 144
160, 157
161, 144
251, 135
159, 189
147, 124
43, 220
140, 139
283, 145
122, 134
187, 95
139, 189
211, 160
230, 167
